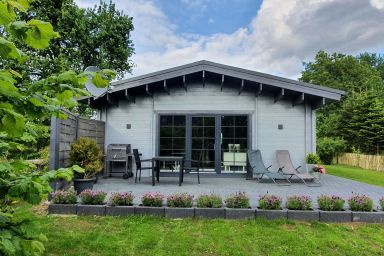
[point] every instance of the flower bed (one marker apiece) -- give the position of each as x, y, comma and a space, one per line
182, 200
152, 199
237, 200
64, 197
330, 203
270, 202
382, 203
360, 203
303, 203
209, 201
121, 199
91, 197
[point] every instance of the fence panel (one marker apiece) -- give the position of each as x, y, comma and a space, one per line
371, 162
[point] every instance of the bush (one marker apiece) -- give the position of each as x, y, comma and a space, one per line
121, 199
312, 158
89, 196
382, 203
209, 201
360, 203
330, 203
183, 200
64, 197
237, 200
154, 199
303, 203
88, 155
270, 202
328, 148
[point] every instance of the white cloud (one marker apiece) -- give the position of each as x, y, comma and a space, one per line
282, 35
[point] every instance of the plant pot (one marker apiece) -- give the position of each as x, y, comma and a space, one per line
335, 216
120, 210
271, 214
308, 215
83, 184
62, 208
98, 210
147, 210
173, 212
210, 213
232, 213
371, 217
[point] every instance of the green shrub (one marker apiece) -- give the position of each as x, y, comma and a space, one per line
270, 202
121, 199
209, 201
64, 197
88, 155
312, 158
360, 203
183, 200
237, 200
382, 203
89, 196
303, 203
328, 148
153, 199
330, 203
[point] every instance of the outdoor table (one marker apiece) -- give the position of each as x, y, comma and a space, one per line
156, 166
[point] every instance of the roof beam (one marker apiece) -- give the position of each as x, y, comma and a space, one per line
203, 78
259, 90
111, 100
165, 86
299, 100
222, 83
185, 83
279, 95
318, 103
130, 97
241, 86
148, 92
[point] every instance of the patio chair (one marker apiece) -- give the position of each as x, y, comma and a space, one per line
286, 167
188, 167
138, 162
259, 170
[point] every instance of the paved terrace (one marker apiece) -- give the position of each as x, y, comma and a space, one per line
224, 186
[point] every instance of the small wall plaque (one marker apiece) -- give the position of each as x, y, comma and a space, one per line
280, 126
128, 126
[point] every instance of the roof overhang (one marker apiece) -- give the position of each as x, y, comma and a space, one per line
260, 82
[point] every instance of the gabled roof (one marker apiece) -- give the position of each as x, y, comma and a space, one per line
244, 74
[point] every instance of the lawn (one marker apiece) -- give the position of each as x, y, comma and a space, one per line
358, 174
73, 235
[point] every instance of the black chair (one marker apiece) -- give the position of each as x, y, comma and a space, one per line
188, 167
138, 162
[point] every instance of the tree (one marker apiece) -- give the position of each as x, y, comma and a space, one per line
20, 103
358, 118
98, 36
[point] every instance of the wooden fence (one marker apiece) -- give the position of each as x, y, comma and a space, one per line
64, 132
371, 162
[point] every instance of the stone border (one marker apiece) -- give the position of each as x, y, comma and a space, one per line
218, 213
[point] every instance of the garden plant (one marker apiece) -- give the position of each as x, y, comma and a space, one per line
330, 203
303, 203
237, 200
91, 197
153, 199
209, 201
360, 203
183, 200
64, 197
270, 202
121, 199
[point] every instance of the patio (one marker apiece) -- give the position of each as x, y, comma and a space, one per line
226, 185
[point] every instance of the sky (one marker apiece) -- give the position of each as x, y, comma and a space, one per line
270, 36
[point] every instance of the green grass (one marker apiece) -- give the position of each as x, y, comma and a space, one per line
358, 174
73, 235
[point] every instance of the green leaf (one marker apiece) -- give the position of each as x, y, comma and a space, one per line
78, 169
99, 80
8, 50
13, 123
20, 5
7, 14
8, 89
40, 33
37, 100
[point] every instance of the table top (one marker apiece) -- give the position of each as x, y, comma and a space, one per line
168, 158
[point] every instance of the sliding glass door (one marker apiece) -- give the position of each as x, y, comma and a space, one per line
218, 143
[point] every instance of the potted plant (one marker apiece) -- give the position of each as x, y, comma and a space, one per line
180, 205
311, 160
238, 207
88, 155
92, 203
270, 207
63, 202
332, 209
209, 206
300, 208
152, 203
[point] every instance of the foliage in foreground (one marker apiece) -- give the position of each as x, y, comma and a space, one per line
144, 235
20, 183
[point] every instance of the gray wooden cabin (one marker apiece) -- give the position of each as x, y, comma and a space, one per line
213, 113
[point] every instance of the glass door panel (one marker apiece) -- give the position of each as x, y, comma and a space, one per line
234, 141
203, 142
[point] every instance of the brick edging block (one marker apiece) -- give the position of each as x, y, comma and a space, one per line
308, 215
175, 212
272, 214
98, 210
210, 213
146, 210
237, 213
335, 216
369, 217
119, 210
62, 208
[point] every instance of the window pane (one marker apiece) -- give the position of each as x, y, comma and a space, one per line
166, 132
197, 143
209, 144
165, 143
179, 120
209, 121
243, 144
165, 120
241, 120
241, 132
225, 143
165, 152
197, 121
179, 132
228, 132
178, 143
197, 132
209, 132
227, 121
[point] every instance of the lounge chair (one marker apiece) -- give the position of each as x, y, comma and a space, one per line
259, 170
286, 167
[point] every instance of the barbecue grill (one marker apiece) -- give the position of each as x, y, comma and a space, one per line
120, 153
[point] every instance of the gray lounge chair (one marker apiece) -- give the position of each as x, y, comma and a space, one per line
286, 167
259, 170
